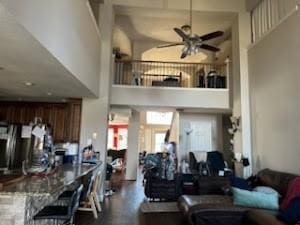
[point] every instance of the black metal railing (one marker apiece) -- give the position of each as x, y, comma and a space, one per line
171, 74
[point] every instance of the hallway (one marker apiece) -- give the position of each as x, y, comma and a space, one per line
119, 209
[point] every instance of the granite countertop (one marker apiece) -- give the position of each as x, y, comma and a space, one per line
52, 184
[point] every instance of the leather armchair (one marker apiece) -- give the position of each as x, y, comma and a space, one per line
162, 189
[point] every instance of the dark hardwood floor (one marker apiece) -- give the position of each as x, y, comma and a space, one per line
119, 209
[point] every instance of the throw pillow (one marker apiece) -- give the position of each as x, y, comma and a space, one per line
266, 190
240, 183
291, 215
255, 199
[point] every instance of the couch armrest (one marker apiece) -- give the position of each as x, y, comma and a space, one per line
217, 215
210, 209
257, 217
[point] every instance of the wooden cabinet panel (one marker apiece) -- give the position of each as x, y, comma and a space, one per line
74, 121
65, 118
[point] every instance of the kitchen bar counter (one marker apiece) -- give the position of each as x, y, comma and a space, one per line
20, 201
49, 185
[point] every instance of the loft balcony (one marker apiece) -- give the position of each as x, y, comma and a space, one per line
171, 84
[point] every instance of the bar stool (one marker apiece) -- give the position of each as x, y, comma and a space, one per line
61, 213
66, 195
88, 201
90, 198
95, 190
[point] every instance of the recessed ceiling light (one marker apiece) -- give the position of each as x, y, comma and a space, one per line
49, 94
28, 83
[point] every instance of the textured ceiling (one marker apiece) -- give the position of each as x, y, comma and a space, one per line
142, 24
24, 59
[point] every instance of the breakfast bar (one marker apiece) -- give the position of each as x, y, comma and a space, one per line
21, 200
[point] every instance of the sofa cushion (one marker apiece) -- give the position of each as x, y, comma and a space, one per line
257, 217
255, 199
291, 215
266, 190
276, 180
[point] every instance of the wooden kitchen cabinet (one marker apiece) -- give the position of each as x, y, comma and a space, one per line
65, 118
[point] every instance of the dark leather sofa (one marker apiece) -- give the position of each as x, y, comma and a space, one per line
162, 189
277, 180
220, 210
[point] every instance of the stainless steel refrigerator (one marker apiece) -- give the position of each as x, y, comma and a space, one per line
13, 148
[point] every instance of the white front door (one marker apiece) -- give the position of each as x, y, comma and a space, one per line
201, 136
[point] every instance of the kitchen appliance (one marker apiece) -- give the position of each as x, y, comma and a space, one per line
13, 148
23, 147
71, 151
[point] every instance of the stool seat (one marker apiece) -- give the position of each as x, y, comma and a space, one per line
64, 213
66, 195
54, 212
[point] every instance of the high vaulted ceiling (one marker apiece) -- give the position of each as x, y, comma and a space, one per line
23, 59
142, 24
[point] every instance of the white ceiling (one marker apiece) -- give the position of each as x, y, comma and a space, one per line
24, 59
142, 24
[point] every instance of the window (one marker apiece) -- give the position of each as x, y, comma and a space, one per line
159, 141
159, 118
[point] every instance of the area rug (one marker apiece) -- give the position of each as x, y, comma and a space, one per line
152, 207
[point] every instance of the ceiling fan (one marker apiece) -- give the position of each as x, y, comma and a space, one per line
192, 43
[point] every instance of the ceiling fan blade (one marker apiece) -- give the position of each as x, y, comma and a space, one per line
183, 55
186, 50
209, 48
212, 35
170, 45
181, 34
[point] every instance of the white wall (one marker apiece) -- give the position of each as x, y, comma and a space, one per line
274, 72
122, 41
251, 4
202, 5
94, 116
170, 97
67, 30
241, 39
139, 47
133, 146
174, 131
185, 122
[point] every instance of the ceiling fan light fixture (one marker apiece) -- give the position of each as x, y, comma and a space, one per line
185, 48
186, 28
192, 43
193, 48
